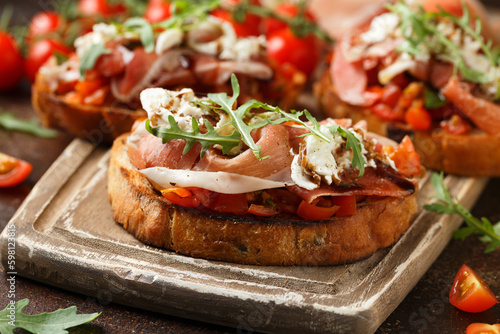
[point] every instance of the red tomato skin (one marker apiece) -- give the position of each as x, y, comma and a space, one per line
43, 23
470, 293
312, 212
99, 8
479, 328
418, 118
16, 175
249, 27
284, 47
157, 11
188, 201
288, 10
11, 62
455, 125
39, 53
347, 205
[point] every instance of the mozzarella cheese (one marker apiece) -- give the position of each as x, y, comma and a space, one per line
101, 33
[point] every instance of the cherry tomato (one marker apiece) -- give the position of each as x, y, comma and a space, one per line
13, 171
11, 62
470, 293
287, 10
312, 212
39, 52
262, 210
417, 117
286, 48
249, 27
347, 205
180, 196
44, 23
455, 125
478, 328
99, 8
157, 11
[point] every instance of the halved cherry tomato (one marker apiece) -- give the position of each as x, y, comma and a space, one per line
286, 48
455, 125
39, 52
405, 158
11, 62
287, 10
99, 8
478, 328
13, 171
470, 293
347, 205
417, 117
313, 212
181, 196
44, 23
262, 210
157, 11
249, 27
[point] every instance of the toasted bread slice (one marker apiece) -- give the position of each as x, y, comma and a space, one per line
472, 154
377, 223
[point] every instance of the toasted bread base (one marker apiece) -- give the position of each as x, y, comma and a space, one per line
472, 154
378, 223
98, 124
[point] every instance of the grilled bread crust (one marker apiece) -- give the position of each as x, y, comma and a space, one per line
472, 154
377, 223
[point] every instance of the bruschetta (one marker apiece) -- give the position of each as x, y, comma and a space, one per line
253, 184
428, 72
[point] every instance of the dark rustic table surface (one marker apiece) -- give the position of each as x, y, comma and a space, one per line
425, 310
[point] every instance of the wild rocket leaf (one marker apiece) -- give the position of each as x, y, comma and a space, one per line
490, 234
145, 31
89, 58
352, 143
55, 322
10, 122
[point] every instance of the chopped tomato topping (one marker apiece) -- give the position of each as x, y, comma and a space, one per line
455, 125
386, 112
285, 200
313, 212
417, 117
405, 158
470, 293
232, 203
97, 98
263, 210
181, 196
391, 95
347, 205
87, 87
478, 328
13, 171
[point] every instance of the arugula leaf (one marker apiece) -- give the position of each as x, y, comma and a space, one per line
352, 142
205, 139
145, 31
9, 122
90, 57
433, 99
490, 234
44, 323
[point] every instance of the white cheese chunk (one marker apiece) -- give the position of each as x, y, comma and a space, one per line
101, 33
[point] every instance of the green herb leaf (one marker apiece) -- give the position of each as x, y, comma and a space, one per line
44, 323
352, 143
90, 57
205, 139
433, 99
10, 122
145, 31
490, 234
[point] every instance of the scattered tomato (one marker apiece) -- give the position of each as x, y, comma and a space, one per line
391, 95
455, 125
347, 205
286, 10
417, 117
11, 62
157, 11
39, 52
249, 27
262, 210
180, 196
13, 171
44, 23
405, 158
470, 293
99, 8
313, 212
286, 48
478, 328
385, 111
233, 203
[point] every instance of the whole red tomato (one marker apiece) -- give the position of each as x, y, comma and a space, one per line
99, 8
11, 62
44, 22
287, 10
39, 52
157, 11
286, 48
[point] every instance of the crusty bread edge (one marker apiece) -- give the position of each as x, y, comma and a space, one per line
473, 154
378, 223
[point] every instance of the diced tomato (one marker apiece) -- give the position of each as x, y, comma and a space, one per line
417, 117
181, 196
13, 171
386, 112
73, 98
87, 87
479, 328
312, 212
405, 158
232, 203
97, 98
263, 210
470, 293
347, 205
401, 80
455, 125
391, 95
285, 200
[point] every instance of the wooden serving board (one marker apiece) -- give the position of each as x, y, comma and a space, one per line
66, 237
